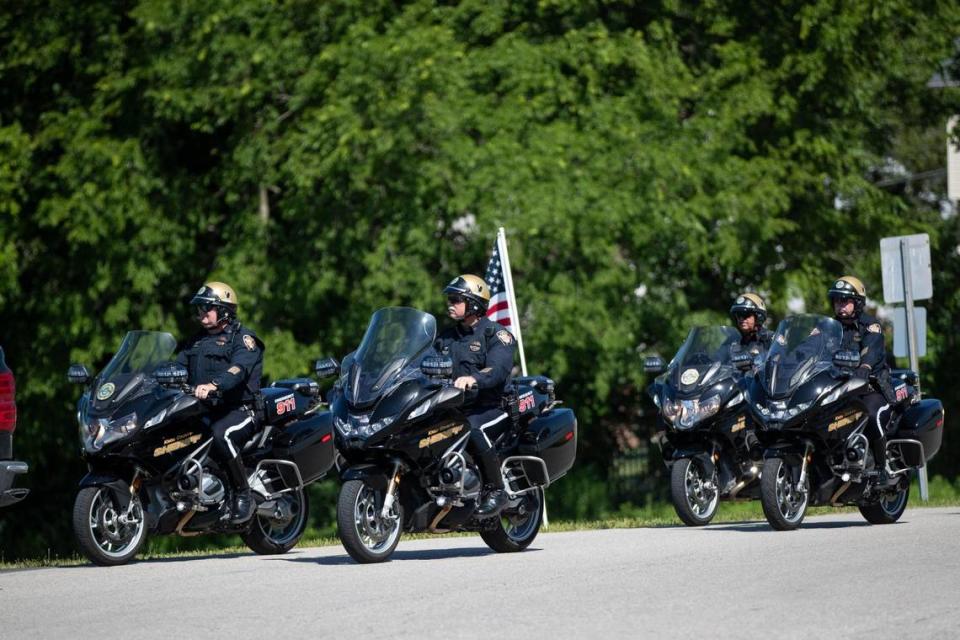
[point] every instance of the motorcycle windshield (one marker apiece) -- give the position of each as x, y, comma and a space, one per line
704, 357
135, 360
802, 347
396, 339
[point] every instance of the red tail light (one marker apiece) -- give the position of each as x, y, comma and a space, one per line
8, 410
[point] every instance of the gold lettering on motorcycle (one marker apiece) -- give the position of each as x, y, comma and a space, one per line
739, 425
843, 420
440, 433
172, 444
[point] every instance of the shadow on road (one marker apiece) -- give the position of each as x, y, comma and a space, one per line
755, 527
420, 554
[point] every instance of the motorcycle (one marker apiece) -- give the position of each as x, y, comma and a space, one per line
707, 440
812, 419
146, 440
402, 432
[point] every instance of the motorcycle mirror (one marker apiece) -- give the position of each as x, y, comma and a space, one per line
171, 374
437, 366
654, 365
78, 374
742, 361
846, 359
326, 367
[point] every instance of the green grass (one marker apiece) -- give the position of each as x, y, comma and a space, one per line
943, 493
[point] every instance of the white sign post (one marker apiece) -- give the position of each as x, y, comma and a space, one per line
905, 263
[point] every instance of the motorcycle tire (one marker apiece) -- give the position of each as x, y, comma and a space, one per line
513, 532
777, 492
886, 511
102, 538
267, 536
360, 526
686, 480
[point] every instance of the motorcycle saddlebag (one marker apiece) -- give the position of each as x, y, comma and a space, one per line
552, 437
282, 404
922, 421
309, 444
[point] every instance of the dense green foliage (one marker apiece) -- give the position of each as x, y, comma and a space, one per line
648, 159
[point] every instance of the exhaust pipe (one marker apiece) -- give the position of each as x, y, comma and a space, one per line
750, 476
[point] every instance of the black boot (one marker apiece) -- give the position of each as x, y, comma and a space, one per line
243, 506
492, 503
879, 447
494, 497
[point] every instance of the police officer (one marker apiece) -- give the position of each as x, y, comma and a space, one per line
748, 314
482, 354
226, 359
862, 333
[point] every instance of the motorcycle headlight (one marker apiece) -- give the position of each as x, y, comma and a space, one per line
709, 407
670, 408
104, 431
360, 425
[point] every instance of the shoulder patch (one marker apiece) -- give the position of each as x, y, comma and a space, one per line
504, 336
874, 328
249, 342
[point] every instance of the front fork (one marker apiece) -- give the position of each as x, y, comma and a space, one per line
801, 482
391, 496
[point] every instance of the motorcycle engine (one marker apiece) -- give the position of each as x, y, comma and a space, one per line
450, 477
211, 487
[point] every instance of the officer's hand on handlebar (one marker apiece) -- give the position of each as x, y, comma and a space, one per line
204, 391
465, 382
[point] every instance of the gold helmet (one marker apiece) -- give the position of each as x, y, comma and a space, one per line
849, 287
473, 289
749, 304
218, 295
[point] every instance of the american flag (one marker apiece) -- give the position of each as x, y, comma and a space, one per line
499, 309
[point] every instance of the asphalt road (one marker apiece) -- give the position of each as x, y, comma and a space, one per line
836, 577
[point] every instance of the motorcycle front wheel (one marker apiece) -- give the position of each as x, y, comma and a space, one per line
282, 530
784, 503
365, 534
107, 534
695, 497
516, 528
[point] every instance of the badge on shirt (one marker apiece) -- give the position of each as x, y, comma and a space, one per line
874, 328
475, 346
504, 336
235, 370
249, 342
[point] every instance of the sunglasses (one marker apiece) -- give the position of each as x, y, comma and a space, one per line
455, 299
742, 313
203, 309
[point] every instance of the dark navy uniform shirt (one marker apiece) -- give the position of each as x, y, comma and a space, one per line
866, 336
232, 360
484, 351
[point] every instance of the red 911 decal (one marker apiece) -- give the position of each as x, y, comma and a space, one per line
285, 404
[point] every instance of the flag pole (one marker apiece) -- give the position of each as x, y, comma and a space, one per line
515, 327
511, 297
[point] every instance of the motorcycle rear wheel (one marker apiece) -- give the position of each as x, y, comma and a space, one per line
366, 536
268, 536
887, 510
103, 538
515, 531
784, 503
695, 504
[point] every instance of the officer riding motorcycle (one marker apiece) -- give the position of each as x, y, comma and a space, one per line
482, 354
225, 359
749, 313
862, 333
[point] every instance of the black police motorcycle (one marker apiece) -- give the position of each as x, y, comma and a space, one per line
707, 441
807, 401
402, 433
147, 441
